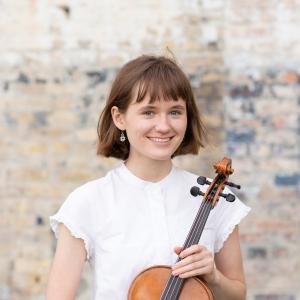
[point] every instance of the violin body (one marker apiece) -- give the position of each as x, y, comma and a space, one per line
149, 285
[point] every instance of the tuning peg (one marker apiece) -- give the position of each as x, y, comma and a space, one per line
195, 191
228, 197
237, 186
202, 180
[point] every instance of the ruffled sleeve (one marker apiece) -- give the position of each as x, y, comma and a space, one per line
76, 214
228, 215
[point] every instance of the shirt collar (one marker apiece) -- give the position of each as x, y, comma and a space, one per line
127, 176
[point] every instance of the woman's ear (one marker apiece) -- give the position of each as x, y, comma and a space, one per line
118, 118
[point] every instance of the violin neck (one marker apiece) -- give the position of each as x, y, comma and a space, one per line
174, 284
198, 224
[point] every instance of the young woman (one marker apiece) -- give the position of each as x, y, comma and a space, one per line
139, 214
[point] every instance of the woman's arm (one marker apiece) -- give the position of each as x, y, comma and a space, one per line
64, 277
230, 279
223, 272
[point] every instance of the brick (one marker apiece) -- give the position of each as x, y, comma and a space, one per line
260, 253
288, 179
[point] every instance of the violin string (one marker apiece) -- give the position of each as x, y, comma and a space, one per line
199, 218
197, 229
173, 281
177, 280
198, 223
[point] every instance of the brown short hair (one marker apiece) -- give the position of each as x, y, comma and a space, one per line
156, 76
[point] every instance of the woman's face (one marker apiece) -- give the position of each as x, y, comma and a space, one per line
155, 130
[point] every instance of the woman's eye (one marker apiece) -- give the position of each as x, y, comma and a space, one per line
175, 112
148, 113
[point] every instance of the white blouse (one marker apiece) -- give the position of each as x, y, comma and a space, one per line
128, 224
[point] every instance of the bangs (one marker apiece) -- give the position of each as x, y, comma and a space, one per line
161, 82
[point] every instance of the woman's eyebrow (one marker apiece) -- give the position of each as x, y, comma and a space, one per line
178, 107
149, 106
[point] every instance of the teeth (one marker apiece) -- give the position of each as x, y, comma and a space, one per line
159, 139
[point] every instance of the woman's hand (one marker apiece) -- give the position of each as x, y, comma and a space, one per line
196, 260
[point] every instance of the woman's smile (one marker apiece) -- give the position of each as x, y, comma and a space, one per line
160, 140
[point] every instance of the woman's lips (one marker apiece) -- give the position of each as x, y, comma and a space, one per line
160, 139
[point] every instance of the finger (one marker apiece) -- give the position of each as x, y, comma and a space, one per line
177, 249
191, 259
189, 267
191, 250
204, 258
195, 272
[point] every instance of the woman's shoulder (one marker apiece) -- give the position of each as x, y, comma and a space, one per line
94, 187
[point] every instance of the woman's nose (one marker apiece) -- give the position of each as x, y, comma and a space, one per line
162, 124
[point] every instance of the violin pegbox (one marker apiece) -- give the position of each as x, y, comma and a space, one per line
216, 186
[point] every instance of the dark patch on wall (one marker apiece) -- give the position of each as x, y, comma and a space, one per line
39, 221
235, 137
265, 121
96, 77
57, 80
229, 149
248, 107
83, 118
257, 252
23, 78
214, 46
10, 121
66, 9
272, 73
251, 90
6, 86
87, 100
39, 119
290, 179
68, 76
272, 91
40, 81
194, 80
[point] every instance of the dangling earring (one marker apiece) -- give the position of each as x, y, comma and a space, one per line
122, 137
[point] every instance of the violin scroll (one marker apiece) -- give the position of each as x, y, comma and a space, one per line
224, 167
216, 186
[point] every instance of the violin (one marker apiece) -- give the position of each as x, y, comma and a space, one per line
157, 282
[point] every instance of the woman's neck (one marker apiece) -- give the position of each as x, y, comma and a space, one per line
149, 170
